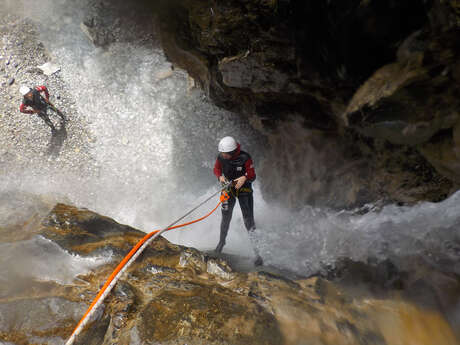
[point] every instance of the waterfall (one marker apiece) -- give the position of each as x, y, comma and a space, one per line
142, 144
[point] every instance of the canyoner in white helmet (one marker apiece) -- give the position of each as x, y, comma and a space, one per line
24, 90
233, 164
227, 144
36, 101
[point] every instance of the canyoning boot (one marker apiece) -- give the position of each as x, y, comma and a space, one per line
258, 261
219, 247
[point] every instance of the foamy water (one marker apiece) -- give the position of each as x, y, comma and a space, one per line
43, 260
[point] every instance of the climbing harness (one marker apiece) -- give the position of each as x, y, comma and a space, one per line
132, 256
236, 192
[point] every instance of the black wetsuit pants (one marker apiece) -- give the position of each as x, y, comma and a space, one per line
44, 116
246, 202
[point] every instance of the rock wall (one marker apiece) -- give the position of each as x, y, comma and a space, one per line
378, 78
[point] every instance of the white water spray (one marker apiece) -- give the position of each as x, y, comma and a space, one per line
153, 150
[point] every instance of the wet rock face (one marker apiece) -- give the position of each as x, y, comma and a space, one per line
171, 294
320, 168
177, 295
413, 101
387, 71
284, 52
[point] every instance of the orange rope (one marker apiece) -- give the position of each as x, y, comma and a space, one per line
224, 196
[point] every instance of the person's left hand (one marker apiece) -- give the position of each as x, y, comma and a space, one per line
240, 182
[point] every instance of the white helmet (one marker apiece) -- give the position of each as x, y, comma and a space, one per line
24, 90
227, 144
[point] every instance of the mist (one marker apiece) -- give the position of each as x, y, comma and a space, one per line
142, 143
146, 143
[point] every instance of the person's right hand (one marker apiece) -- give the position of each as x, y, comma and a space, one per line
222, 179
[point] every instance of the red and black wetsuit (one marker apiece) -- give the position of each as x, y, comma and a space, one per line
240, 164
38, 104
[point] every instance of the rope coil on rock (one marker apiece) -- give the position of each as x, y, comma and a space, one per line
133, 255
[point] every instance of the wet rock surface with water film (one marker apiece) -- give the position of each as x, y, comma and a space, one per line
178, 295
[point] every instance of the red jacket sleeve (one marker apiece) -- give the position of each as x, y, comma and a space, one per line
43, 89
22, 109
250, 172
217, 168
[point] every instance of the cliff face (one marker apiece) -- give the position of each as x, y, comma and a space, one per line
276, 58
375, 79
55, 263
